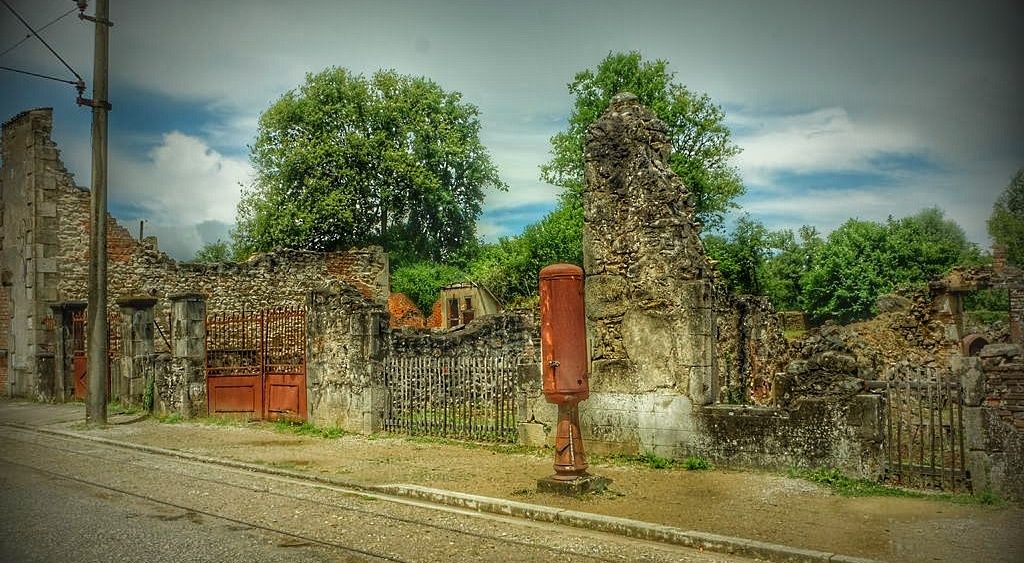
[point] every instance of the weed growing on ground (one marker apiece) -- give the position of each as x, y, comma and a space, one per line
115, 407
845, 486
308, 429
172, 418
655, 461
696, 463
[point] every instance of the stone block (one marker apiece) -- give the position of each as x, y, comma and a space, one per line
865, 416
532, 435
972, 380
701, 385
975, 428
47, 209
582, 485
606, 296
1000, 350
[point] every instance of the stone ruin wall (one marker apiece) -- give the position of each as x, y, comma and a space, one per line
31, 179
1000, 461
279, 279
669, 345
649, 299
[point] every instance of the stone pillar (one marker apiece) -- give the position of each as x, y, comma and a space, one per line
344, 348
948, 309
63, 353
136, 361
185, 389
649, 289
999, 258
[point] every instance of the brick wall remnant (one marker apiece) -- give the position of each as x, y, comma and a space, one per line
404, 313
993, 414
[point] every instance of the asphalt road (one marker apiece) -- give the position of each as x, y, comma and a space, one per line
65, 499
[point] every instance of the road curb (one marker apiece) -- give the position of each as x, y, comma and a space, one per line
622, 526
608, 524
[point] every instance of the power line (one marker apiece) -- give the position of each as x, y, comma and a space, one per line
43, 41
36, 74
29, 35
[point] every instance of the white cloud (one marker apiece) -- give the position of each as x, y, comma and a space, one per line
822, 140
181, 184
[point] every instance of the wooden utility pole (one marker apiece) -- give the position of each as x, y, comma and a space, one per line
96, 402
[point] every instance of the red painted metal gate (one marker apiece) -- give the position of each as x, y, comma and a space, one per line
256, 364
79, 363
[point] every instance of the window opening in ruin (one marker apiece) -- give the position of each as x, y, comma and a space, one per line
985, 307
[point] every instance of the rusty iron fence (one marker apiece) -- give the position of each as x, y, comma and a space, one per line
924, 433
233, 343
467, 398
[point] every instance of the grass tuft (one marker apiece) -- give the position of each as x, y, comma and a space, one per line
845, 486
172, 418
696, 463
308, 429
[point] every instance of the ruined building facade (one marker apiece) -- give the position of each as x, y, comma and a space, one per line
44, 257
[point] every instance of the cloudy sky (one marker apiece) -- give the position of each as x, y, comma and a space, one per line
843, 109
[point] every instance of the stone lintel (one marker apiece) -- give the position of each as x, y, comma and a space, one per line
187, 296
73, 305
137, 302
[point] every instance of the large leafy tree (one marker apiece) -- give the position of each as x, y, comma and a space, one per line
701, 144
1006, 224
346, 160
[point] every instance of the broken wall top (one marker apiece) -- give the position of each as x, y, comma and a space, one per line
639, 216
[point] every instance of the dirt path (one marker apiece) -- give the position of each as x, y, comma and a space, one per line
761, 506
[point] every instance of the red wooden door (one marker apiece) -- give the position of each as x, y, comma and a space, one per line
78, 368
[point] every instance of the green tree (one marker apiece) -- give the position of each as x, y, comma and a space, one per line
212, 252
863, 259
510, 267
741, 256
701, 144
848, 274
785, 270
1006, 224
346, 160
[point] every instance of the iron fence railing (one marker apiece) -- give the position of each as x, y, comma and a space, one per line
471, 398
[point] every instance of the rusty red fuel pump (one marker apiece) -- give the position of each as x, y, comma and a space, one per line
564, 361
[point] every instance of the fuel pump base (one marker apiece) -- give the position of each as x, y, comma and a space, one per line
581, 485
